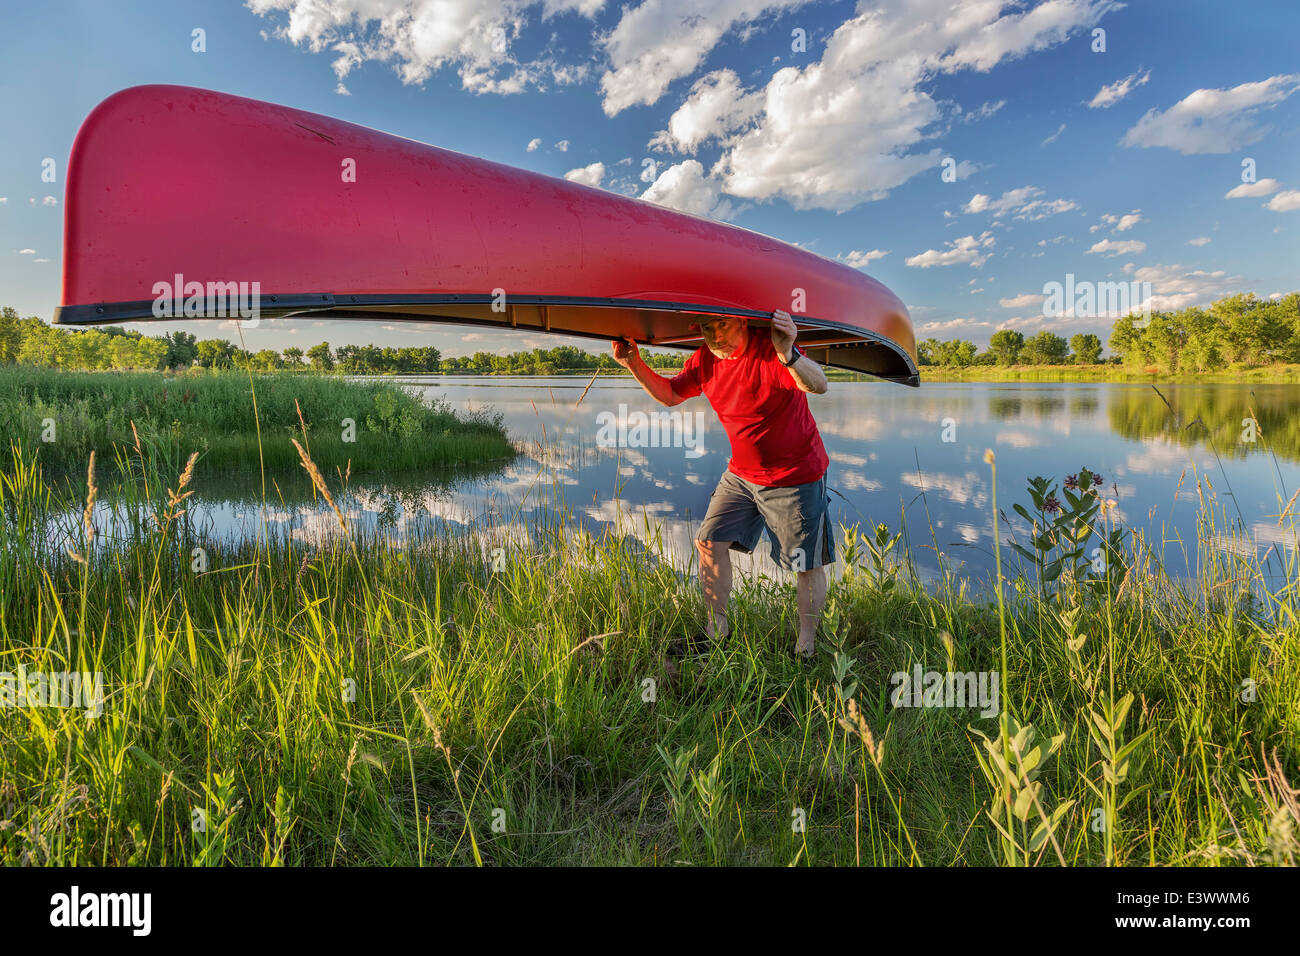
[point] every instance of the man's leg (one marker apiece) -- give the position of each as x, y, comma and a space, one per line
798, 522
811, 588
715, 581
732, 521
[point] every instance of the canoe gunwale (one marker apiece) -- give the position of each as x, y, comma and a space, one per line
357, 307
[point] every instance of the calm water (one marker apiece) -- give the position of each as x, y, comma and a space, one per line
890, 463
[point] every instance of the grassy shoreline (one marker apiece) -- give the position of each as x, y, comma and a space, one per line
236, 423
1259, 375
449, 703
1254, 375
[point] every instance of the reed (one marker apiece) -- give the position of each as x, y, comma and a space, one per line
67, 415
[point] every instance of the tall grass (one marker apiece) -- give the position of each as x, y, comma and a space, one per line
235, 426
436, 700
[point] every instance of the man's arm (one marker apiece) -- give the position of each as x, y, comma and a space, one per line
807, 374
628, 355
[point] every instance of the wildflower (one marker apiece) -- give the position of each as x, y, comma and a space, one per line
988, 456
1051, 505
1072, 482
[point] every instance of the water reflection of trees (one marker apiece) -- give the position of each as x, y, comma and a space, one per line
1197, 414
1007, 406
387, 496
1084, 403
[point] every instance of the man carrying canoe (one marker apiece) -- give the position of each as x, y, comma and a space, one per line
777, 475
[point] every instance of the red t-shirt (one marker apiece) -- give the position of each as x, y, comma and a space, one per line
774, 440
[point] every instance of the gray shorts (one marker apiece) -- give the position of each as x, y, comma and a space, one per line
797, 519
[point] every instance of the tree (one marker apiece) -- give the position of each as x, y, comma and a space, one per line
266, 360
925, 352
293, 356
10, 336
1166, 338
181, 349
1045, 348
150, 352
1005, 344
1204, 348
320, 357
1128, 342
1086, 348
93, 350
215, 353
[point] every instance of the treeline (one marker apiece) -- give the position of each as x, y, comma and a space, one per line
30, 341
1239, 329
1009, 347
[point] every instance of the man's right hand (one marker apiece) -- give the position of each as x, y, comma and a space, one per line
626, 352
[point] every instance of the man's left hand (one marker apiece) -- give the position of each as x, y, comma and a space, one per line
783, 334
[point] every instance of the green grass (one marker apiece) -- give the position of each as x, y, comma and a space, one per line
69, 414
515, 707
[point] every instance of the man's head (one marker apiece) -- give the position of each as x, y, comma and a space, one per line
725, 336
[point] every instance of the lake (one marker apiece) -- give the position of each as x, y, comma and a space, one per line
908, 458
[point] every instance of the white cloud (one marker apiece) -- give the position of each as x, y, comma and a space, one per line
953, 325
847, 129
1284, 201
591, 175
1110, 95
859, 260
3, 200
27, 252
1022, 301
829, 134
349, 57
685, 187
967, 249
1053, 241
1054, 137
1213, 121
984, 112
562, 145
49, 201
1174, 288
716, 104
1199, 241
1020, 204
420, 37
964, 170
1119, 223
1127, 222
658, 41
1264, 187
1121, 247
534, 143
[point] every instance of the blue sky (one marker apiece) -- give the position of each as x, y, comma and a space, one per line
1122, 164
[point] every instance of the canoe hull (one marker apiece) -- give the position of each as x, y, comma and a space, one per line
338, 221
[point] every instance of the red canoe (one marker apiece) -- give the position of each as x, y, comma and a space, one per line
171, 185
